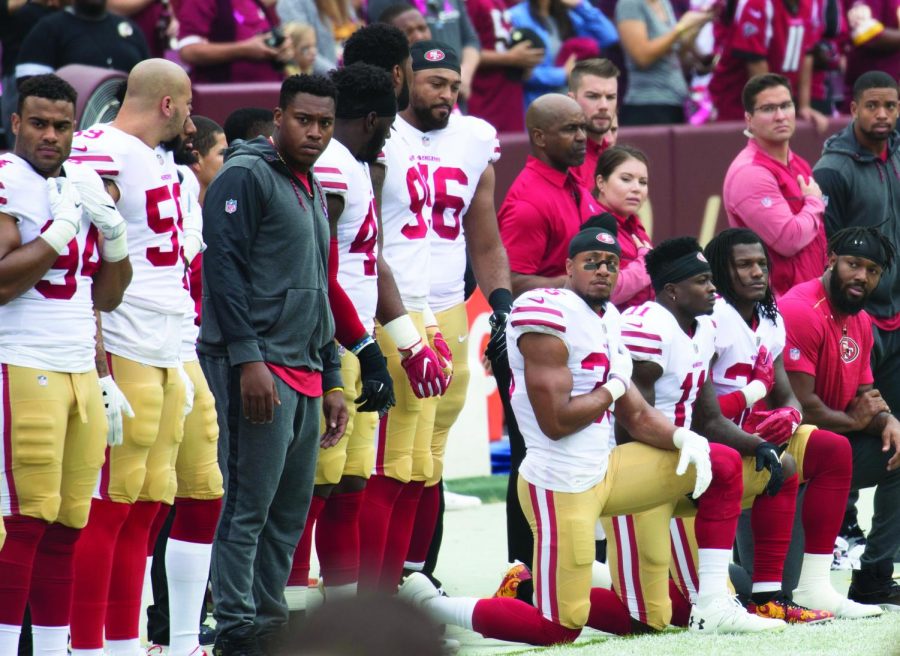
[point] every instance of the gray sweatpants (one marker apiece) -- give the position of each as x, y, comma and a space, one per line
268, 471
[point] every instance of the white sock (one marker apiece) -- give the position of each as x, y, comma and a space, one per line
146, 597
712, 570
50, 640
295, 596
334, 592
765, 586
187, 568
457, 611
815, 575
414, 567
9, 638
129, 647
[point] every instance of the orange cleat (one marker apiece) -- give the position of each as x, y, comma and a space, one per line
780, 608
516, 573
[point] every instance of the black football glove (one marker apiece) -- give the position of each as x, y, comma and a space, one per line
767, 456
377, 387
501, 303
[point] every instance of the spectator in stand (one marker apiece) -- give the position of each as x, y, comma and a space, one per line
247, 123
408, 20
156, 18
17, 17
307, 11
827, 92
594, 85
874, 27
653, 39
499, 80
449, 23
765, 36
232, 41
832, 343
621, 188
303, 39
770, 189
557, 21
85, 33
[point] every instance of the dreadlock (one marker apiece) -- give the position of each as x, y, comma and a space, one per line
719, 251
846, 236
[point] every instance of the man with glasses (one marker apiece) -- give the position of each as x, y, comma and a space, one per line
770, 189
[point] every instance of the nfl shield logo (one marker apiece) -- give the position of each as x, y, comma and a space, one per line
230, 206
794, 354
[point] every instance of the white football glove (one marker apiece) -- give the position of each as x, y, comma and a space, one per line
101, 209
188, 390
116, 405
694, 450
620, 367
65, 208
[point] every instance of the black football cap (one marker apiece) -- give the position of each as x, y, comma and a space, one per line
433, 54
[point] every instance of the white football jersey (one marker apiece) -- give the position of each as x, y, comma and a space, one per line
51, 326
146, 327
652, 334
737, 346
190, 206
341, 174
576, 462
405, 212
451, 161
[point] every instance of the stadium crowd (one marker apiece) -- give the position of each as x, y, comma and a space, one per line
224, 346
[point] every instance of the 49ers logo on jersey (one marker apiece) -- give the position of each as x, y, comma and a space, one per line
434, 55
849, 349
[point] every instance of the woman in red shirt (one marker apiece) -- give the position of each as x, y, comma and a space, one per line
622, 187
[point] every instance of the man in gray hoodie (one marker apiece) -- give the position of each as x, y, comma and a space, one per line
859, 174
267, 348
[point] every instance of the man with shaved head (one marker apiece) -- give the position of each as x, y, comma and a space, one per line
141, 365
542, 211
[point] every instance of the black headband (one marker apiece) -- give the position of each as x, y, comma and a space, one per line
866, 245
384, 105
433, 54
594, 239
686, 266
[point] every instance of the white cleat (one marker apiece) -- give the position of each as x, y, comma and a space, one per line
837, 603
417, 590
601, 577
725, 614
450, 647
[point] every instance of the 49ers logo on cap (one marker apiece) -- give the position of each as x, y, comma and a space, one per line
605, 238
434, 55
701, 257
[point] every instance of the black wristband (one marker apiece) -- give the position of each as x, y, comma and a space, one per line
501, 300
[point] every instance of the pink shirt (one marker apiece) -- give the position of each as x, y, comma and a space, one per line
763, 194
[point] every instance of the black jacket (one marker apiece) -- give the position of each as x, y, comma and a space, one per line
265, 268
862, 190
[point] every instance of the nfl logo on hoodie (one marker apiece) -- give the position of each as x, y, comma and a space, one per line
230, 206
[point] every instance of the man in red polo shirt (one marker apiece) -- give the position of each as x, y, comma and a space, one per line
594, 84
827, 359
770, 190
545, 204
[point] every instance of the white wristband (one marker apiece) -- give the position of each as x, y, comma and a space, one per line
428, 316
615, 387
58, 234
754, 392
679, 436
193, 245
403, 331
115, 250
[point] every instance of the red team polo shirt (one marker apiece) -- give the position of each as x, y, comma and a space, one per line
833, 348
585, 172
760, 29
497, 98
539, 216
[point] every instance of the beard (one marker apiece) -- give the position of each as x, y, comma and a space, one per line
373, 149
843, 303
91, 8
181, 150
403, 99
428, 121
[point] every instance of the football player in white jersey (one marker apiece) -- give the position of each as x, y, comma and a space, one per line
366, 109
750, 329
54, 270
455, 156
672, 341
570, 375
143, 340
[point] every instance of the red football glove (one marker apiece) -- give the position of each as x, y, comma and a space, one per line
764, 369
442, 350
775, 426
423, 368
